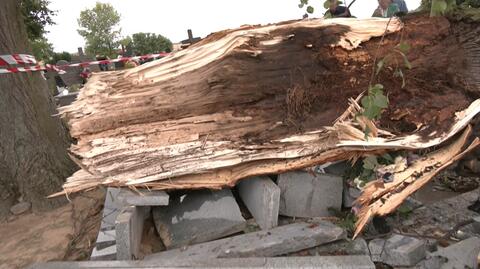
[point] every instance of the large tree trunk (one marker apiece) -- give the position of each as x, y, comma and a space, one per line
265, 99
33, 156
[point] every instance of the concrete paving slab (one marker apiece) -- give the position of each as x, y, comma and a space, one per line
274, 242
319, 262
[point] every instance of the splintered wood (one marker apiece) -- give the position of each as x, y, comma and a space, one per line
268, 99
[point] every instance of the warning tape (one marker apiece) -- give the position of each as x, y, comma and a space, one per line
15, 59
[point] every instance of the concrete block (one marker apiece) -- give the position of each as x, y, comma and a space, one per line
397, 250
198, 216
328, 262
143, 197
262, 198
274, 242
128, 232
104, 254
460, 255
307, 195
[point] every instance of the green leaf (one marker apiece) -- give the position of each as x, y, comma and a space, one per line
404, 47
310, 9
300, 5
381, 101
377, 88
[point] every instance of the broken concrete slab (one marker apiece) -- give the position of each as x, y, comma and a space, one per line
20, 208
398, 250
197, 217
328, 262
307, 195
274, 242
460, 255
262, 198
128, 232
143, 197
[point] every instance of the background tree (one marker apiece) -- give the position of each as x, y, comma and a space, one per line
145, 43
33, 156
99, 27
42, 49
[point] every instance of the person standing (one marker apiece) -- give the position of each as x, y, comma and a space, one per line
386, 9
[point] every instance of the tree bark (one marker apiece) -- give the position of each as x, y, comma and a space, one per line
33, 156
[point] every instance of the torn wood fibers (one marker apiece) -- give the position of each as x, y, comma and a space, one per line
268, 99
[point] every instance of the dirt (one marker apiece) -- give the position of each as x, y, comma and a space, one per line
65, 233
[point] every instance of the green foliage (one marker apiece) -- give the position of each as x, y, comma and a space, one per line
57, 56
99, 28
145, 43
374, 102
36, 16
42, 49
363, 172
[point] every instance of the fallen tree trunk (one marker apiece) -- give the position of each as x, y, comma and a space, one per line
268, 99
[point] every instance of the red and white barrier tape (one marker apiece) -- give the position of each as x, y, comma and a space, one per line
6, 60
15, 59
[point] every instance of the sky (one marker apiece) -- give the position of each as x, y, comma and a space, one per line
173, 18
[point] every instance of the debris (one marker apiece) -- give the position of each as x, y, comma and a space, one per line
397, 250
274, 242
197, 217
380, 198
142, 197
330, 262
307, 195
20, 208
262, 198
460, 255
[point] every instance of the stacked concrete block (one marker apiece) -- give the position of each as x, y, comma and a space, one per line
305, 194
262, 198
